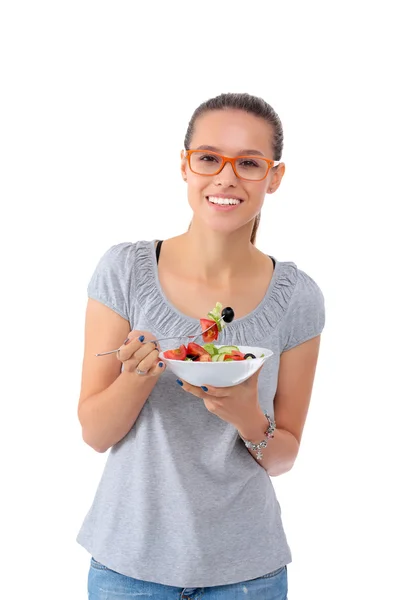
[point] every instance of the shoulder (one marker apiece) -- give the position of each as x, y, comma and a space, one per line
306, 292
118, 255
122, 257
114, 281
304, 317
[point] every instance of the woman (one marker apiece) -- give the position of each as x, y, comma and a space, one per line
184, 508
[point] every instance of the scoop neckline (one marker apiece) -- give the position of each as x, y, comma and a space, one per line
192, 320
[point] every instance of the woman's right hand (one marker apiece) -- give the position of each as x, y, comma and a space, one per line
136, 354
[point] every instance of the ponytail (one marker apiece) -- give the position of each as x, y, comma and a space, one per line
255, 228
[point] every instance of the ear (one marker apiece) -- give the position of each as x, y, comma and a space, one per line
275, 178
183, 165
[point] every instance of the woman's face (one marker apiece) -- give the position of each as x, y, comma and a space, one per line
231, 133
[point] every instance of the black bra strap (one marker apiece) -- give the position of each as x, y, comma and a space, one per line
158, 250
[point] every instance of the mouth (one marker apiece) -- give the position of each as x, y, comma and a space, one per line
222, 201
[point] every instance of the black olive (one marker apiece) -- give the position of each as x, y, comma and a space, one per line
228, 314
249, 355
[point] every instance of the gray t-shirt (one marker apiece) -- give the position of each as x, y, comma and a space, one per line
181, 501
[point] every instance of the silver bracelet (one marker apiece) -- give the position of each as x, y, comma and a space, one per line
269, 433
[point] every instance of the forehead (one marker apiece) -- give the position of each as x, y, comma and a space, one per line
231, 131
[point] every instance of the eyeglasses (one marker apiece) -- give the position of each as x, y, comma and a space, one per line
207, 163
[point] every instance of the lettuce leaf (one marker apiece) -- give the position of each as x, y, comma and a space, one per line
216, 315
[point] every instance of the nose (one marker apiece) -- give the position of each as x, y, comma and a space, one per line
226, 177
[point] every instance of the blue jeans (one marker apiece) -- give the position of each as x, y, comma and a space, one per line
104, 584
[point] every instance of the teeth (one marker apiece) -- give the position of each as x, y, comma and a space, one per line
223, 201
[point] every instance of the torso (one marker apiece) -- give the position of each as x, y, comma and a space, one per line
194, 299
179, 460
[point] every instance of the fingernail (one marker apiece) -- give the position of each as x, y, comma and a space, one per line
161, 364
126, 341
179, 382
204, 388
141, 338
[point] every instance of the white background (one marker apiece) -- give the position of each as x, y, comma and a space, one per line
91, 94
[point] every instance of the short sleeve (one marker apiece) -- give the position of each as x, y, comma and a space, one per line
305, 317
110, 282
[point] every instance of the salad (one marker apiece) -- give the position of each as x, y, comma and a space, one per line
208, 352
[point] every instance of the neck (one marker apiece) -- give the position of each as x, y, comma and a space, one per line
215, 255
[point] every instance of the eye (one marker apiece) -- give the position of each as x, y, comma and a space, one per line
208, 158
249, 164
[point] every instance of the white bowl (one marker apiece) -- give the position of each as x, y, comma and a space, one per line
219, 374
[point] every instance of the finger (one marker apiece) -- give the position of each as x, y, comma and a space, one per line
138, 334
216, 392
156, 344
158, 369
144, 351
128, 349
135, 334
192, 389
149, 361
223, 392
137, 349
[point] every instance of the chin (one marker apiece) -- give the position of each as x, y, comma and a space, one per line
225, 221
226, 226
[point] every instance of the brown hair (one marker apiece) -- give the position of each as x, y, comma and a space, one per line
250, 104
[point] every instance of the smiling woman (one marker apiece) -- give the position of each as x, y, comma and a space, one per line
249, 163
186, 500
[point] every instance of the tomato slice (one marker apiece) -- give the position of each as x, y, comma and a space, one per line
212, 334
197, 352
196, 349
176, 354
234, 356
205, 358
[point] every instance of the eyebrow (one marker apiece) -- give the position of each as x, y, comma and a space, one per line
248, 152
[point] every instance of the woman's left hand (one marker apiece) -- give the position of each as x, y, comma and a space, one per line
237, 405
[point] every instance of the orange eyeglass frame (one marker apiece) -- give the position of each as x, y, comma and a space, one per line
226, 159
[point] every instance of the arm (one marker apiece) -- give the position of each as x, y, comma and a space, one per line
239, 405
110, 401
295, 383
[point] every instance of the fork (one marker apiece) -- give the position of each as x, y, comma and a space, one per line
177, 337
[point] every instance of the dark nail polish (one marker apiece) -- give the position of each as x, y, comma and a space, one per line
179, 382
161, 364
204, 388
141, 338
126, 341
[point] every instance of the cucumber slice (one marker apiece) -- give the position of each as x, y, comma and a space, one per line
217, 321
228, 349
216, 357
215, 314
220, 357
211, 348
